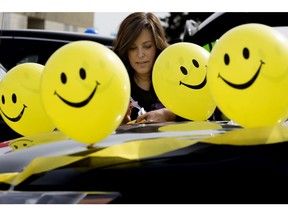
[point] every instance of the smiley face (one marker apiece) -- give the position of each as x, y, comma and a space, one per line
21, 144
37, 139
185, 72
180, 82
18, 117
21, 106
85, 101
85, 89
247, 83
247, 72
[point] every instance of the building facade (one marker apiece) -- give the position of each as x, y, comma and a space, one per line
66, 21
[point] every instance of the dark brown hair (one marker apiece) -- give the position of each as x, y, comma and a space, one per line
130, 29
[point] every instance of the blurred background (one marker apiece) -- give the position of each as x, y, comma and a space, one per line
101, 23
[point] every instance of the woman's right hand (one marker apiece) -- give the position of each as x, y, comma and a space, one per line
160, 115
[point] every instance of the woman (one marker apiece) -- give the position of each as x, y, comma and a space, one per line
140, 39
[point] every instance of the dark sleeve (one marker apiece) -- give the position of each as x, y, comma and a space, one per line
179, 118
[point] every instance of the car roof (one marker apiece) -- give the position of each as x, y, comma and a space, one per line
218, 23
34, 45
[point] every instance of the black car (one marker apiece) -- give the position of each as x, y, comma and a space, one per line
28, 45
211, 29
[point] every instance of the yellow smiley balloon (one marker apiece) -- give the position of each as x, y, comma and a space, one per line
248, 75
179, 79
85, 90
21, 104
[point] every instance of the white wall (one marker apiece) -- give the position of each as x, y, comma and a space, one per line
107, 23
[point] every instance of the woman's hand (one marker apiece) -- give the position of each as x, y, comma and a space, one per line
160, 115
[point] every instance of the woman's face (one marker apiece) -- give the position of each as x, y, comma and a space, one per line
142, 53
